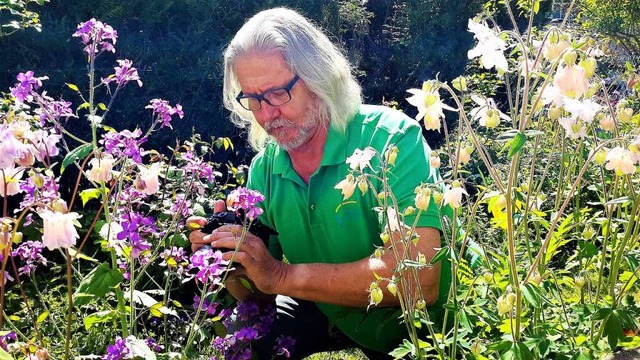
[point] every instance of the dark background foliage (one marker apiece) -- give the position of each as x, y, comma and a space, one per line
177, 46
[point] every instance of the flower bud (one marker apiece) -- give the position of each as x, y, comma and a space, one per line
625, 115
511, 298
434, 160
537, 278
42, 354
423, 197
524, 187
600, 157
362, 184
438, 197
384, 237
554, 112
421, 259
589, 66
607, 123
381, 195
409, 210
488, 277
588, 233
503, 305
460, 83
580, 281
421, 305
392, 154
59, 205
592, 90
16, 238
38, 180
375, 294
570, 57
393, 288
378, 253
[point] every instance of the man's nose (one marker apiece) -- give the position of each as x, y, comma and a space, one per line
267, 113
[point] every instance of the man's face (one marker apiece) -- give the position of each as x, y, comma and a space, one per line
291, 124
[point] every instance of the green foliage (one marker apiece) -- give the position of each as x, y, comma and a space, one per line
615, 19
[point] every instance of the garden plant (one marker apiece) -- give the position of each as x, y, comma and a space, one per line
537, 185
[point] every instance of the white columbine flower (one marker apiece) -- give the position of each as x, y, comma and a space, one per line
585, 109
361, 158
573, 128
453, 196
347, 186
620, 160
487, 112
59, 229
490, 47
10, 181
100, 170
429, 106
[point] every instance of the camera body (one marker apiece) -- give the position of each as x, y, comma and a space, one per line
237, 218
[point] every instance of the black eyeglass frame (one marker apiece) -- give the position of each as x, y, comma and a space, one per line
261, 97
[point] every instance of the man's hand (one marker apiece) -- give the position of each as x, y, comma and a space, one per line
197, 238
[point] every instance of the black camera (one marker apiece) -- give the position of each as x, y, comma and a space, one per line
237, 218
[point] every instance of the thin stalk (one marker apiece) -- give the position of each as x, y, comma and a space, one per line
67, 342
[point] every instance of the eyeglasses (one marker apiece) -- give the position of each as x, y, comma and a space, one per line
273, 97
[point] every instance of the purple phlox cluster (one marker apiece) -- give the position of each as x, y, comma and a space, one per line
38, 188
119, 350
134, 228
247, 200
284, 346
228, 348
123, 74
124, 144
6, 276
209, 265
26, 85
163, 111
122, 265
175, 259
205, 305
195, 165
52, 111
180, 205
31, 253
153, 345
6, 339
97, 36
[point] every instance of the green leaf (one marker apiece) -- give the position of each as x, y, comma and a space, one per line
140, 348
587, 249
89, 194
516, 144
403, 350
42, 317
620, 200
5, 355
72, 87
518, 351
532, 295
98, 317
613, 330
78, 153
441, 254
102, 107
97, 283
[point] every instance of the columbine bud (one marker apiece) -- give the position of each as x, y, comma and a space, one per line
487, 276
554, 112
381, 195
16, 238
38, 180
588, 233
600, 157
59, 205
393, 288
570, 57
409, 211
460, 83
437, 197
421, 305
625, 115
511, 298
592, 90
378, 253
493, 119
434, 160
42, 354
524, 187
580, 281
375, 294
392, 154
423, 197
607, 123
362, 184
503, 306
589, 66
384, 237
537, 278
421, 259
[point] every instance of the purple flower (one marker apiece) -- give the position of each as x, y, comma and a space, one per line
31, 253
284, 346
124, 73
153, 345
163, 111
97, 35
53, 110
6, 338
247, 200
119, 350
246, 334
209, 265
26, 84
124, 144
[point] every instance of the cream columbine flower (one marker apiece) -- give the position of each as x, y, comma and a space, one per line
573, 128
361, 158
571, 81
487, 112
453, 196
429, 106
490, 47
464, 154
100, 170
10, 181
149, 176
585, 109
552, 50
434, 160
423, 198
394, 221
620, 160
59, 229
347, 186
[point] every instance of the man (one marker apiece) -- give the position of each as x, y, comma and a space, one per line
294, 91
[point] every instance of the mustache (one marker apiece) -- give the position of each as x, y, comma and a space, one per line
279, 122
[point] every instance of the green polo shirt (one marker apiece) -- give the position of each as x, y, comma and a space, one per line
313, 227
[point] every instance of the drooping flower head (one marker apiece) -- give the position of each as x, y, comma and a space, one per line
360, 159
487, 113
59, 229
123, 74
490, 47
427, 101
247, 200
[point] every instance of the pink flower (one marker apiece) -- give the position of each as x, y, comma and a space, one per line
453, 196
620, 160
607, 123
571, 81
59, 229
347, 186
10, 181
100, 169
361, 158
149, 176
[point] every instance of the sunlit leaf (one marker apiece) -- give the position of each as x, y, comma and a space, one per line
78, 153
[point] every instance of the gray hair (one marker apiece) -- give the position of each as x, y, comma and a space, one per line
309, 53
